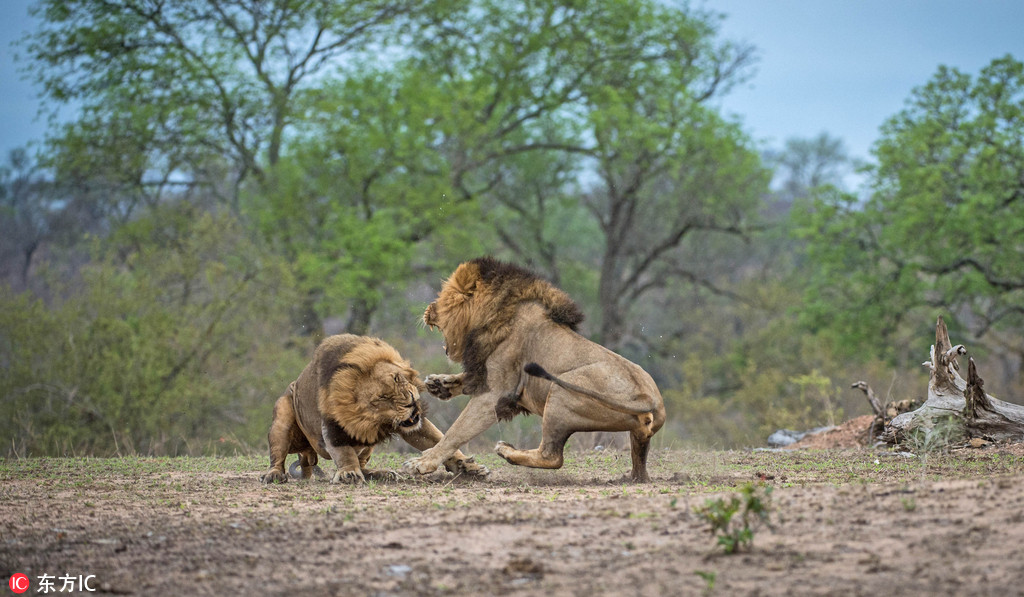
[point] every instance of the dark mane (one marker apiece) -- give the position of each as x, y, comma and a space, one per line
511, 286
510, 279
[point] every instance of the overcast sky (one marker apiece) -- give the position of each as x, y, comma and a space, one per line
841, 67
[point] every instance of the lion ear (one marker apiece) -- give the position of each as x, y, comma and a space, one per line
463, 280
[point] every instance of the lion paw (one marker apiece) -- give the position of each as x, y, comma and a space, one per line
439, 476
385, 476
274, 476
443, 386
504, 449
348, 477
467, 466
420, 465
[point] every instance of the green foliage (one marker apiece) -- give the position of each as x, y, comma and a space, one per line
938, 233
580, 139
709, 578
161, 348
752, 504
195, 90
354, 199
813, 387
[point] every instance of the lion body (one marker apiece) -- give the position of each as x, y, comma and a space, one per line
515, 335
355, 393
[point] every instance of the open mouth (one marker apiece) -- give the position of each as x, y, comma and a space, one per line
412, 421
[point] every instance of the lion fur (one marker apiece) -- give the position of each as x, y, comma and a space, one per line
360, 391
479, 302
501, 322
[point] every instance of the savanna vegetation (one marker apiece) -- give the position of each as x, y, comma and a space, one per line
242, 177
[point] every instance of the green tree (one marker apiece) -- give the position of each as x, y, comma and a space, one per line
941, 229
623, 92
176, 345
202, 92
361, 189
26, 204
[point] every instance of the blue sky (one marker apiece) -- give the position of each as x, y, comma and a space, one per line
844, 67
835, 66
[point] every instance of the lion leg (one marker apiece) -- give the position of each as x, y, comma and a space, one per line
549, 454
369, 474
347, 458
639, 444
476, 418
364, 456
374, 474
308, 460
305, 467
282, 430
428, 436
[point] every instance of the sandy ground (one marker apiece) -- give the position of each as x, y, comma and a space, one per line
849, 522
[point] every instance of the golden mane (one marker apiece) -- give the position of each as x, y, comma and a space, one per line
477, 307
348, 371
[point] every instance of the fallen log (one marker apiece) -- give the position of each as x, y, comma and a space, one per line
954, 401
883, 413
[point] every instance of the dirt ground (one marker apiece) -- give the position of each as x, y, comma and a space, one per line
843, 522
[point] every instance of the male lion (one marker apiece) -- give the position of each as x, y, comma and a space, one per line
509, 329
354, 394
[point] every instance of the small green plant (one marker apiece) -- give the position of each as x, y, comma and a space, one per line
709, 580
752, 505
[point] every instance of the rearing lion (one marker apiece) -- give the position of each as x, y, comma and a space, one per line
515, 335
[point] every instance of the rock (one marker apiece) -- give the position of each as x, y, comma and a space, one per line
784, 437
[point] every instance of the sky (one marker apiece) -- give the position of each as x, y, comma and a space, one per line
836, 66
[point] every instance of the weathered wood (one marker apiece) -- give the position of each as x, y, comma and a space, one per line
878, 425
876, 406
951, 397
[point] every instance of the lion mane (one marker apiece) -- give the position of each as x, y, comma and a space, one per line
345, 368
354, 394
474, 328
515, 335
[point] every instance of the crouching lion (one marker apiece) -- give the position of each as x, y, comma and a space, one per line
515, 336
354, 394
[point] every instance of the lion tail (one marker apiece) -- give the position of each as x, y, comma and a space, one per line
537, 371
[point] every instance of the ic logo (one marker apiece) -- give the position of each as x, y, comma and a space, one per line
19, 583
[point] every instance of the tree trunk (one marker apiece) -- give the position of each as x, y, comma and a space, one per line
359, 315
962, 402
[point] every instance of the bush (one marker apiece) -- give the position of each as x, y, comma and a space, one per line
172, 347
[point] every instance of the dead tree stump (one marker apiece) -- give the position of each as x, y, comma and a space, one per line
963, 403
883, 413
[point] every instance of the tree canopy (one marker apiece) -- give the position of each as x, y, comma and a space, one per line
942, 229
244, 176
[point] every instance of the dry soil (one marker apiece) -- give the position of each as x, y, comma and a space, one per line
843, 522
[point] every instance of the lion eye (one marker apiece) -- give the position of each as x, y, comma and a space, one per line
398, 378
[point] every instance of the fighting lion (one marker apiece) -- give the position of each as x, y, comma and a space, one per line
515, 336
355, 393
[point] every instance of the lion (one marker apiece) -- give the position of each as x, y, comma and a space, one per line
515, 336
355, 393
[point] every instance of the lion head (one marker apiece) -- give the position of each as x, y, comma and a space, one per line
476, 308
370, 391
